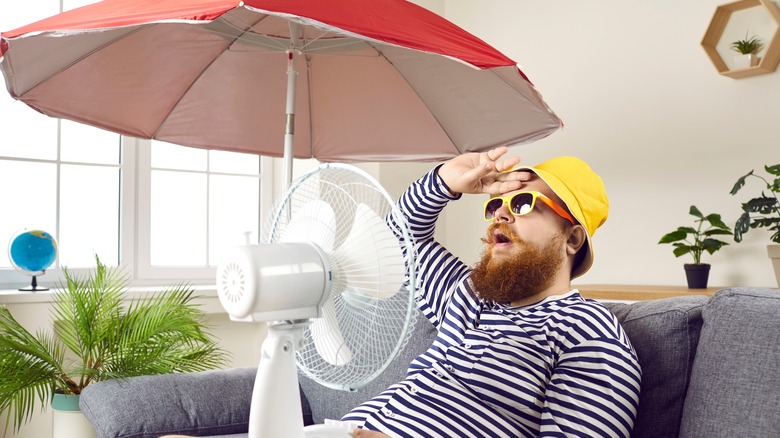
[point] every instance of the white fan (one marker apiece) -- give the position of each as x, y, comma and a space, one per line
334, 282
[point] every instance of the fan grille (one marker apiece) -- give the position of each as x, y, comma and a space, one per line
374, 329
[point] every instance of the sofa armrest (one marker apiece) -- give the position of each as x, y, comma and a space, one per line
202, 403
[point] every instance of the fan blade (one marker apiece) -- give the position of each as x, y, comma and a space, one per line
327, 337
313, 222
370, 261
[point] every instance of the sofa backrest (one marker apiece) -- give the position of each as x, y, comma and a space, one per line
735, 383
664, 334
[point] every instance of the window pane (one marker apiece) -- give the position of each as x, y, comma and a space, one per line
171, 156
28, 200
26, 133
234, 207
86, 144
89, 216
178, 219
234, 162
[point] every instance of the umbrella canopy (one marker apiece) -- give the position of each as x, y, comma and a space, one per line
378, 80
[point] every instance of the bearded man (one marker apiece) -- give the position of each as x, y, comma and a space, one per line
518, 353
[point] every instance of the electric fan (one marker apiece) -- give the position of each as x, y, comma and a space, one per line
335, 284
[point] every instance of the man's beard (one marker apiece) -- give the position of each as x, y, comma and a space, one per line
527, 271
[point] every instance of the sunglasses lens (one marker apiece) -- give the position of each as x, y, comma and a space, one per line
522, 203
491, 207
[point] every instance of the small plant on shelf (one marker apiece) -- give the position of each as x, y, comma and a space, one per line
748, 45
695, 241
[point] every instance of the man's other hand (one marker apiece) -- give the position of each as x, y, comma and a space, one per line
363, 433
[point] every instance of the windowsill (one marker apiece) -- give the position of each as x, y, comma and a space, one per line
205, 295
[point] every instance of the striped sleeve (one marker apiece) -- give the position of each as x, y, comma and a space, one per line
438, 271
594, 388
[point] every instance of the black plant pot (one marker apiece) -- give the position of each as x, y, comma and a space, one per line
697, 275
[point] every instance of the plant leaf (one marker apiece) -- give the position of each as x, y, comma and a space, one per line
712, 245
741, 226
740, 183
674, 236
695, 212
717, 231
681, 249
715, 220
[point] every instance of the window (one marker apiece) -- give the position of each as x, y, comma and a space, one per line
196, 204
165, 212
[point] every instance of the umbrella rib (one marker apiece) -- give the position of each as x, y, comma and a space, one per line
400, 73
275, 44
535, 94
173, 107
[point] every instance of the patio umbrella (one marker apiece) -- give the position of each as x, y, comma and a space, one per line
337, 80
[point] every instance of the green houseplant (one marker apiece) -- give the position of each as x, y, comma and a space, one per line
162, 333
695, 241
748, 45
762, 212
747, 48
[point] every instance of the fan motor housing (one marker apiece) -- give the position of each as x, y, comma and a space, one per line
275, 281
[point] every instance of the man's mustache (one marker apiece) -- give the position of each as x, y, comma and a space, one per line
500, 228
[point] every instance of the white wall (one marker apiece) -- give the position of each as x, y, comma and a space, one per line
643, 104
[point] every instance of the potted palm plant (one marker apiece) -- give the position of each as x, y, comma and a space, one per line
162, 333
695, 241
762, 212
747, 49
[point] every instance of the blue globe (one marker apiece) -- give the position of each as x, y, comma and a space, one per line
32, 251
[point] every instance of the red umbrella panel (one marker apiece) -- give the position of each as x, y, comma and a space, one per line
339, 80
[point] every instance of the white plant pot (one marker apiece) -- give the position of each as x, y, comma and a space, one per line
745, 61
67, 419
774, 255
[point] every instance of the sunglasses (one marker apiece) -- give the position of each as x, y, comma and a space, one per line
521, 204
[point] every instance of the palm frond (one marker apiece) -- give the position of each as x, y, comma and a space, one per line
162, 333
30, 368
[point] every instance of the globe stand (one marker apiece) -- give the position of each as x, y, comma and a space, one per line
34, 286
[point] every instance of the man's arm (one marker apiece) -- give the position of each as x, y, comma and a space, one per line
594, 391
438, 271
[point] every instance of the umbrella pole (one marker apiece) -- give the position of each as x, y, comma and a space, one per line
289, 131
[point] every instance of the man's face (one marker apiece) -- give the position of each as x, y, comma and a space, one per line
538, 227
523, 254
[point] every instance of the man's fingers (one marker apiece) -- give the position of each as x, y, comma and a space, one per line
507, 164
495, 154
363, 433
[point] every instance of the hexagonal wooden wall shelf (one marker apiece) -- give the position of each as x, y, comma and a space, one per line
771, 58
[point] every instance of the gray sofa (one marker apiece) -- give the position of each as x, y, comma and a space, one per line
711, 368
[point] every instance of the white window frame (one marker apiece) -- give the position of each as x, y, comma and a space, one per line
144, 270
135, 226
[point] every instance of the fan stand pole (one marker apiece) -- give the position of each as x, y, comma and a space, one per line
276, 401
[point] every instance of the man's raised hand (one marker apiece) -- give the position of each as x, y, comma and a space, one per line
482, 172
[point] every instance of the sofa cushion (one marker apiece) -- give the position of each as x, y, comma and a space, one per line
202, 404
664, 334
330, 404
736, 376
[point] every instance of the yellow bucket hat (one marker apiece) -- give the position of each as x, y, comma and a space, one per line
583, 192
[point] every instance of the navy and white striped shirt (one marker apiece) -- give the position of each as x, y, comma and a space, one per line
560, 367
